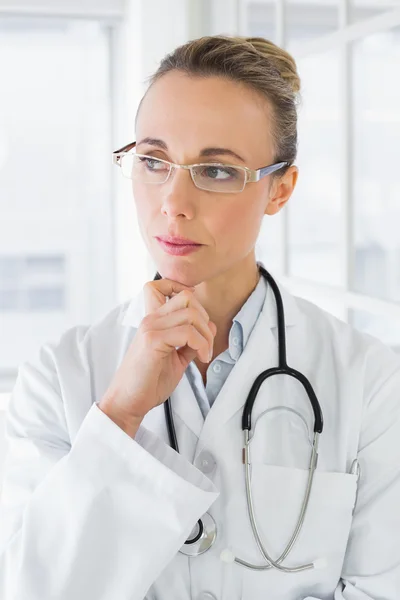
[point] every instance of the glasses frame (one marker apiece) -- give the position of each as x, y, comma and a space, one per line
251, 175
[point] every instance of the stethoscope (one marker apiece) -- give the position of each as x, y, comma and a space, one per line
205, 532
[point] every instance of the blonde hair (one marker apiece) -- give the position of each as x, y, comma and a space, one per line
258, 64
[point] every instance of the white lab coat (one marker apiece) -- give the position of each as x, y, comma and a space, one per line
91, 514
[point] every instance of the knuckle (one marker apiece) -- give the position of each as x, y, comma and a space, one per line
190, 329
148, 285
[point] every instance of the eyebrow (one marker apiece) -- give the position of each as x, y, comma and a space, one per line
212, 151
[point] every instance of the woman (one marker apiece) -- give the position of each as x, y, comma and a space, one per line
96, 503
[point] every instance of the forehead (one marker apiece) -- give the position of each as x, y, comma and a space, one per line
190, 113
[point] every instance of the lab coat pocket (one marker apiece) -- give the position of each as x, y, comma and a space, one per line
278, 494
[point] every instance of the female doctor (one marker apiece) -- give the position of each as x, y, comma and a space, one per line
137, 466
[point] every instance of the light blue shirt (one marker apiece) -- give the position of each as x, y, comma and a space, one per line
219, 369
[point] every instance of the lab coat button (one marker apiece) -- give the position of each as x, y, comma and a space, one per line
217, 368
205, 462
206, 596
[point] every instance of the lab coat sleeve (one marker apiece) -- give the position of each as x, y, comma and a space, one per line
371, 569
98, 518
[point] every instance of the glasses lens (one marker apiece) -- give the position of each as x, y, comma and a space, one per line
219, 178
144, 168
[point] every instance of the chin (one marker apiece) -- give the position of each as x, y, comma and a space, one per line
180, 270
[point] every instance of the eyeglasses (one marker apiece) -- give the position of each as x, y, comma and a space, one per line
212, 177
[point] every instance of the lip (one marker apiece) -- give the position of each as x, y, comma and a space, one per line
176, 240
177, 249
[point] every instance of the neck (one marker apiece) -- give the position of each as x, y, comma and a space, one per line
224, 295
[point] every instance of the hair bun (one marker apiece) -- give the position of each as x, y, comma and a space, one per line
279, 58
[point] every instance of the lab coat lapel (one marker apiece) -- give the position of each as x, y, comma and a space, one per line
186, 408
260, 353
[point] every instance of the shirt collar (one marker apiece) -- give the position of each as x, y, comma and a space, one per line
243, 323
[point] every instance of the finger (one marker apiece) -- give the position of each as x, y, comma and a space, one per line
212, 327
186, 355
181, 336
156, 292
184, 299
188, 316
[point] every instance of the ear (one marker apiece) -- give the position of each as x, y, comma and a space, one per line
281, 189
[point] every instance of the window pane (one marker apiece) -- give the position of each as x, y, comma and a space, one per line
308, 20
376, 190
261, 17
362, 9
315, 207
55, 191
383, 328
27, 283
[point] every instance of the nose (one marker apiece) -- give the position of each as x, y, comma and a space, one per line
178, 195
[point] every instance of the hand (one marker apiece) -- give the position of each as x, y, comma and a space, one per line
175, 330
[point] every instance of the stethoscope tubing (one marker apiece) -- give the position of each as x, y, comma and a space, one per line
282, 369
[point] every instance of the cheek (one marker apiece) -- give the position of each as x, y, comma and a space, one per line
238, 223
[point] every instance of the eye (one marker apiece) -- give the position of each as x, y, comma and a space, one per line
221, 173
152, 164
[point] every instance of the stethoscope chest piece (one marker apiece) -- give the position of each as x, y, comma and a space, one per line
201, 542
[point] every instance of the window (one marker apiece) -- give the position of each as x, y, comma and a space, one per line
261, 19
32, 283
314, 211
56, 243
308, 20
376, 183
364, 9
337, 241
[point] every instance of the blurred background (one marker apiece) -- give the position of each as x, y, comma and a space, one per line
71, 75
